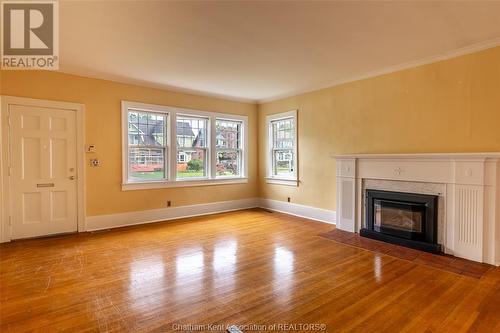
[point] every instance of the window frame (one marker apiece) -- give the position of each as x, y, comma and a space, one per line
171, 179
240, 150
206, 148
146, 108
270, 177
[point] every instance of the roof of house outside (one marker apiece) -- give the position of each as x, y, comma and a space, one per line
148, 130
184, 129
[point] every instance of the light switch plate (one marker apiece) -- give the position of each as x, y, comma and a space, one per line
90, 149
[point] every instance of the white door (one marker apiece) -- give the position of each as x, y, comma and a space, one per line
43, 174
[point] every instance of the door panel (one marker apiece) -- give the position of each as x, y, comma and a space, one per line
43, 179
31, 159
32, 207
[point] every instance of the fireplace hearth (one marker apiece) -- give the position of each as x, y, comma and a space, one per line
407, 219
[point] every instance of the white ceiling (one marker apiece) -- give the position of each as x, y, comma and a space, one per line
259, 51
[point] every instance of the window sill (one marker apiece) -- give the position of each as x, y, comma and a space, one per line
182, 183
282, 181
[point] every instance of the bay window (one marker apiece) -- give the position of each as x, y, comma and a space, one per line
169, 147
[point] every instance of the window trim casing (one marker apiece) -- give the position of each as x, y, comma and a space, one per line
270, 178
171, 149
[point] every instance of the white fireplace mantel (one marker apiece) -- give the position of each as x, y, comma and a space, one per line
472, 198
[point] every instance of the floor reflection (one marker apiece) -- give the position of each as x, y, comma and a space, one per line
147, 276
189, 271
284, 262
147, 269
224, 263
225, 256
189, 263
377, 268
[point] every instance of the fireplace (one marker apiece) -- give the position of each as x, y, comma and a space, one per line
407, 219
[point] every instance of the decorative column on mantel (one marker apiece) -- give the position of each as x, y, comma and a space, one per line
472, 180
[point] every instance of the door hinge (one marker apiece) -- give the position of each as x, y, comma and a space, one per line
8, 121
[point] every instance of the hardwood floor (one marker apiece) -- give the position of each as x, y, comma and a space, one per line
248, 267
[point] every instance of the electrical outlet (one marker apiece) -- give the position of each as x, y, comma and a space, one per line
288, 199
95, 162
169, 203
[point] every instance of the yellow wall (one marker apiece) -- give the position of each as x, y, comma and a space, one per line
449, 106
103, 128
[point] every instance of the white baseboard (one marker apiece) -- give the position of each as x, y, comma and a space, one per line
100, 222
312, 213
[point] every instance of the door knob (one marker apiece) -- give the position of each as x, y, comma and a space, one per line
71, 177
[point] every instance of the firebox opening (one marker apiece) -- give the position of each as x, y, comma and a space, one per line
407, 219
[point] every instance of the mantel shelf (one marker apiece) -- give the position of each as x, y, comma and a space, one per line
423, 156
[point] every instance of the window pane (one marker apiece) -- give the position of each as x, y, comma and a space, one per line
228, 134
191, 163
146, 164
283, 162
283, 133
143, 118
191, 132
228, 163
146, 129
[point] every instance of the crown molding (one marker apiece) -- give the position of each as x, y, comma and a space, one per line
473, 48
148, 84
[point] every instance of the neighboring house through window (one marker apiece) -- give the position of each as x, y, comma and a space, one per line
228, 137
147, 149
191, 141
209, 148
282, 152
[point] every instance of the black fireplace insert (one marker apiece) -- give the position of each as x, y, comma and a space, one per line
407, 219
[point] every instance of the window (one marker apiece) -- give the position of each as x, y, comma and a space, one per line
181, 157
147, 145
168, 147
192, 143
228, 138
282, 157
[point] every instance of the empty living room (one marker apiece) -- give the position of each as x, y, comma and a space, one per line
249, 166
